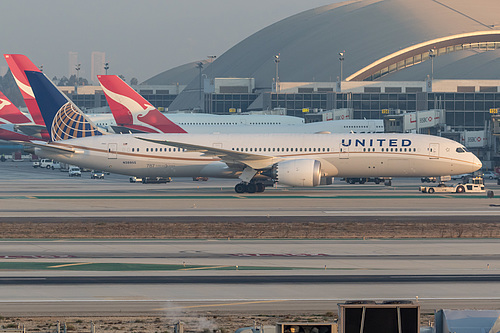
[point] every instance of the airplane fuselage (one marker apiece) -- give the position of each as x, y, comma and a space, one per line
342, 155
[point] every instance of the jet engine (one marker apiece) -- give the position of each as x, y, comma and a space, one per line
298, 172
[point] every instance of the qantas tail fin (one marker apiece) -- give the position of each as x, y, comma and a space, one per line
19, 63
131, 110
63, 119
9, 113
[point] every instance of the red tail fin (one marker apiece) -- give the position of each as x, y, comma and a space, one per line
131, 109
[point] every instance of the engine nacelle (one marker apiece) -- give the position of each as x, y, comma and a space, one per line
298, 172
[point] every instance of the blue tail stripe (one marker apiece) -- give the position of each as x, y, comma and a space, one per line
62, 119
48, 98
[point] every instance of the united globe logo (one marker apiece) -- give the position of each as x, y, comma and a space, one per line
69, 123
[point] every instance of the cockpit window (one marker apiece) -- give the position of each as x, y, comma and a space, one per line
461, 150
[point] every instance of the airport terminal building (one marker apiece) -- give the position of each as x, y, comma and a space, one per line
377, 57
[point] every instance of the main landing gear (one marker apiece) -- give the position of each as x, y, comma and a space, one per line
249, 187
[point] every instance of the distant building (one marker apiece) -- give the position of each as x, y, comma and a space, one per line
72, 62
98, 59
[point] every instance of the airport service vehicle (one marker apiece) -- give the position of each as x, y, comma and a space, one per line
362, 180
150, 180
74, 171
197, 179
474, 185
256, 159
47, 163
135, 179
428, 179
156, 180
96, 174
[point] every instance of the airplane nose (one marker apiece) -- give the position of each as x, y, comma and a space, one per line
477, 164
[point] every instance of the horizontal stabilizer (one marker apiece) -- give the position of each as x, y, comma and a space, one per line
54, 147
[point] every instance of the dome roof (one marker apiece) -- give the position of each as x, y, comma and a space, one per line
368, 30
178, 75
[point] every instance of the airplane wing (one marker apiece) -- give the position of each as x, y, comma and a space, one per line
31, 129
51, 147
254, 161
126, 130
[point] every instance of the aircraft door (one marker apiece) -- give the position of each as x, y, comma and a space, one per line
343, 152
434, 150
112, 147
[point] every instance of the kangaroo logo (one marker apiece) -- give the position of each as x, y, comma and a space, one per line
4, 103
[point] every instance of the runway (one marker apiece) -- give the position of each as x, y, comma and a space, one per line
243, 276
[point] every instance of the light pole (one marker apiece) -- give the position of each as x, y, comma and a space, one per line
211, 58
106, 67
277, 80
341, 58
199, 65
77, 75
432, 54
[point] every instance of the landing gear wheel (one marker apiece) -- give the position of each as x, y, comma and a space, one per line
260, 187
240, 188
430, 191
377, 181
460, 189
251, 188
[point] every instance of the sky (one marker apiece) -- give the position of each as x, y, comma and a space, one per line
140, 38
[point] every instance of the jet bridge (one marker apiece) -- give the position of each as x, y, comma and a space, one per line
425, 122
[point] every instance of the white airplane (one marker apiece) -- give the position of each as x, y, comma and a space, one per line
133, 113
256, 159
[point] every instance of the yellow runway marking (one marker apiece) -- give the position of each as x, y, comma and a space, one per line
223, 304
66, 265
208, 267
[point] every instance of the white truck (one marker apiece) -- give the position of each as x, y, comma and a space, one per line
474, 185
46, 163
